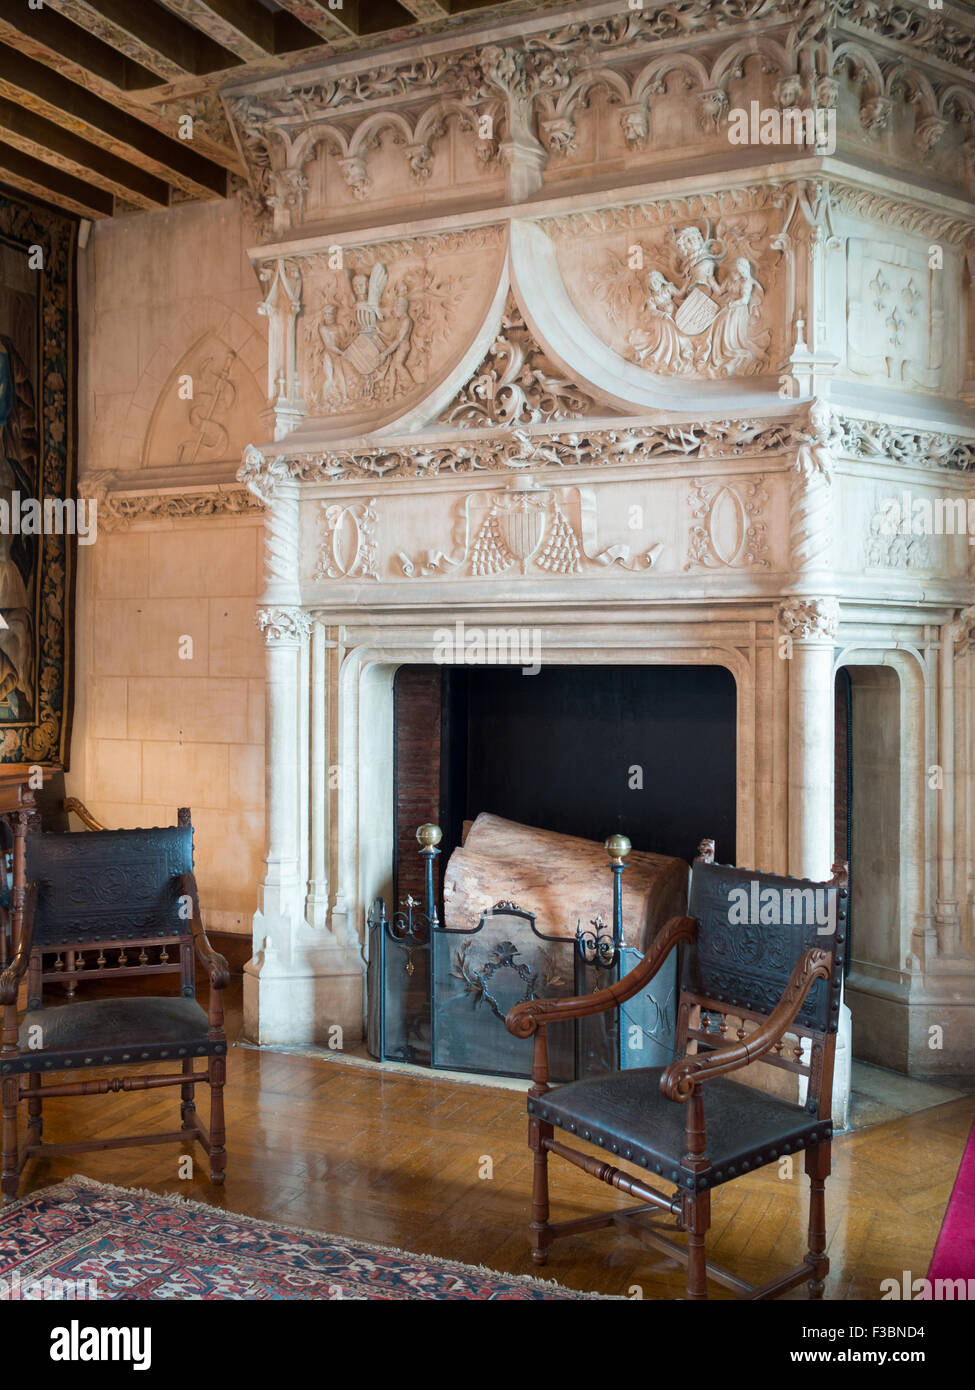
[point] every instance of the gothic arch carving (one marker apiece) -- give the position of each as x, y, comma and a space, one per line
210, 317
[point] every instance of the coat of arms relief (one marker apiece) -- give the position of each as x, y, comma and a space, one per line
686, 302
370, 337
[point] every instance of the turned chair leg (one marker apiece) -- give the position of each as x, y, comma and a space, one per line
697, 1218
818, 1168
35, 1114
10, 1178
538, 1230
187, 1107
218, 1133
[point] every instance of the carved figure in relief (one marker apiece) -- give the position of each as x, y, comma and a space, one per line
336, 382
734, 343
693, 322
660, 343
398, 350
371, 339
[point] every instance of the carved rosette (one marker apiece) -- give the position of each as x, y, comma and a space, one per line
284, 626
810, 619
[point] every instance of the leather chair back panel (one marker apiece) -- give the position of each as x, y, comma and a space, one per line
752, 928
108, 885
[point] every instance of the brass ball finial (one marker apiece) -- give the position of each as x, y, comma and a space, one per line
617, 847
429, 836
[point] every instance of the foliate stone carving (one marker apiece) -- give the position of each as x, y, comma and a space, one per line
916, 448
963, 632
772, 196
517, 384
810, 618
526, 527
115, 513
695, 306
886, 548
927, 30
348, 541
521, 449
728, 530
287, 625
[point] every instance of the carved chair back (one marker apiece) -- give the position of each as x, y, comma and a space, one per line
752, 929
108, 906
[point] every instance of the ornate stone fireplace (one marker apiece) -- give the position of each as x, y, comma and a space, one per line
549, 353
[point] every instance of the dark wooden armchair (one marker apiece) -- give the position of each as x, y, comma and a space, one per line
108, 905
766, 988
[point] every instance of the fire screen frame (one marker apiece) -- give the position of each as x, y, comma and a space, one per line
413, 957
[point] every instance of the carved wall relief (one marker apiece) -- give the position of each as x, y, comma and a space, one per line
694, 298
885, 547
207, 410
728, 530
383, 329
348, 548
518, 384
896, 318
526, 528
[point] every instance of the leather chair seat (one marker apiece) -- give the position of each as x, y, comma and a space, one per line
98, 1032
626, 1114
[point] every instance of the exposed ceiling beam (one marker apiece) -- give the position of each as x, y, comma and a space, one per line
147, 35
52, 144
245, 27
427, 9
337, 26
53, 185
60, 36
48, 94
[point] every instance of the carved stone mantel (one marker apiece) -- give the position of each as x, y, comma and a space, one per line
702, 388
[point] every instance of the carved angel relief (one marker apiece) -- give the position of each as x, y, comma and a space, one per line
697, 311
527, 527
369, 340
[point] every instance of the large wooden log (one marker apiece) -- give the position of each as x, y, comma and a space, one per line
560, 878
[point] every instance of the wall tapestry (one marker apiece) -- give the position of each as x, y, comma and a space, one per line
38, 430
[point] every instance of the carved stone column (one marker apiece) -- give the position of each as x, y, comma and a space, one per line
811, 496
811, 625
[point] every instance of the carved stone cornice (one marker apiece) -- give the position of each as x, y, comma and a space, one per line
810, 619
521, 449
823, 192
900, 444
120, 506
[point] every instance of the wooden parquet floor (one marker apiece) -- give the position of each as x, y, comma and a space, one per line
397, 1160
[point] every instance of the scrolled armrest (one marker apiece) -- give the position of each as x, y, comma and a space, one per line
677, 1082
12, 975
215, 964
530, 1015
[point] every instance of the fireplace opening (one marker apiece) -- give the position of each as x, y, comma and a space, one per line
647, 752
644, 751
873, 831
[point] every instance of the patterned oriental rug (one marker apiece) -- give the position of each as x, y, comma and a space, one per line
84, 1239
